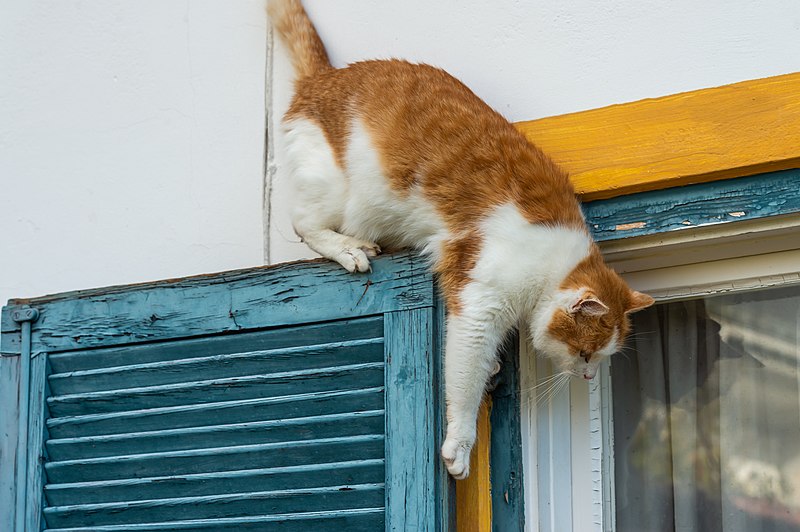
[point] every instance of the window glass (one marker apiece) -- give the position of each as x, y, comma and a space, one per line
707, 415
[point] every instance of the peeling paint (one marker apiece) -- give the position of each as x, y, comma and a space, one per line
629, 226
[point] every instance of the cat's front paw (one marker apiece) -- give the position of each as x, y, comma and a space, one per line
355, 257
353, 260
456, 457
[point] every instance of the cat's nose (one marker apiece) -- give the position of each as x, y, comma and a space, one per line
588, 377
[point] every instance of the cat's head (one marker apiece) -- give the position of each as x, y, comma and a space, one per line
586, 319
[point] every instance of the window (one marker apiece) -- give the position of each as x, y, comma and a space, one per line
707, 415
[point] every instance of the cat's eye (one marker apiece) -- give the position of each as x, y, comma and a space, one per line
586, 356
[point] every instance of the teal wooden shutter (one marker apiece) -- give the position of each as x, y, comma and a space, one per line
297, 397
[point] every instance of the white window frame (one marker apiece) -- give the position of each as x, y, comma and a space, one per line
568, 443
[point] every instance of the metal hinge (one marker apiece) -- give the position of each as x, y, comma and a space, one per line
21, 315
25, 314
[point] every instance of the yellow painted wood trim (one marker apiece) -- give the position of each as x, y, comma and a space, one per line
705, 135
473, 494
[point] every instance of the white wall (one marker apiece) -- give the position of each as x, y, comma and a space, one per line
530, 59
131, 141
131, 131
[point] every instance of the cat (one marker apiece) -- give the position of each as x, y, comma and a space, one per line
401, 155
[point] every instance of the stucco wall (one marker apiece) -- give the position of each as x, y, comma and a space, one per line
131, 141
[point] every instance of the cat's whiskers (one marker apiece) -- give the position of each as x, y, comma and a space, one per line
546, 380
640, 334
550, 393
558, 383
542, 388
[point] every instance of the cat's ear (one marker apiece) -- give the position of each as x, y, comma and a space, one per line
638, 302
588, 305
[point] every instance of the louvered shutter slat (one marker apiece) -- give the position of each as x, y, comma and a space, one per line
203, 414
269, 479
246, 387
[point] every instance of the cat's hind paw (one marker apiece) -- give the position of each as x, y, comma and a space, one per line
456, 457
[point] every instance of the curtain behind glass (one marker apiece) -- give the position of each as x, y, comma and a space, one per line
707, 416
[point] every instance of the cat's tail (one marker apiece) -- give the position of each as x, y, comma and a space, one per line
298, 34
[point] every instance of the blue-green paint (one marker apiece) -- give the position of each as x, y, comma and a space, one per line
229, 458
692, 206
252, 362
445, 485
303, 476
278, 296
411, 457
328, 498
23, 425
302, 336
219, 413
508, 503
351, 376
30, 426
354, 520
281, 430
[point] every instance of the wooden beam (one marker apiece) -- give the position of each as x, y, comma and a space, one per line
690, 207
736, 130
473, 494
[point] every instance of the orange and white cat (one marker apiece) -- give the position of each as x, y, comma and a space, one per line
404, 155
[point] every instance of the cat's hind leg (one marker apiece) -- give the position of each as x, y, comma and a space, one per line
320, 195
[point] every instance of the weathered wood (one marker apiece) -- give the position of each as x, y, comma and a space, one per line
281, 430
218, 482
9, 416
216, 459
356, 520
271, 339
36, 435
221, 506
11, 340
648, 213
446, 507
23, 463
218, 366
508, 510
410, 421
205, 414
282, 295
292, 382
737, 130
